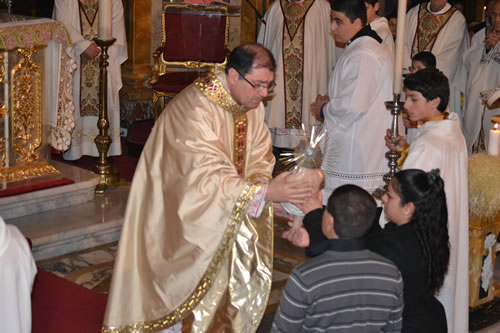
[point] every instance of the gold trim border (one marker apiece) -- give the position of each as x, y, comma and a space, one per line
23, 172
183, 310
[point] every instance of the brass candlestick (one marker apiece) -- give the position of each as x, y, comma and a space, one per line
395, 107
108, 175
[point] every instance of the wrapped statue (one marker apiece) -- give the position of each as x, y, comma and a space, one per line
306, 160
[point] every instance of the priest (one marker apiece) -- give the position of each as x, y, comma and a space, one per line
81, 21
195, 252
482, 61
298, 35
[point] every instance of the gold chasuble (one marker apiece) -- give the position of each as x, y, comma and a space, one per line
188, 251
428, 27
293, 59
89, 78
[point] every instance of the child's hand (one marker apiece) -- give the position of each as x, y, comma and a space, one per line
297, 236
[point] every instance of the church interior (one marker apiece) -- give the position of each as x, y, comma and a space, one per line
72, 211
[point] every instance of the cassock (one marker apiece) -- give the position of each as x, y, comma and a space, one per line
441, 144
17, 274
483, 70
381, 27
444, 33
305, 55
189, 251
81, 23
356, 117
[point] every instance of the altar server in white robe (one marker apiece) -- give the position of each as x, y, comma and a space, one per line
17, 274
379, 24
298, 35
439, 143
81, 21
439, 28
354, 111
482, 61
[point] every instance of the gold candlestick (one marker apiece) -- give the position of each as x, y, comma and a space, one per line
395, 107
108, 175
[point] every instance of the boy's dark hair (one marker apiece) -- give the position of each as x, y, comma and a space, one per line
353, 210
353, 9
431, 83
426, 58
250, 56
371, 2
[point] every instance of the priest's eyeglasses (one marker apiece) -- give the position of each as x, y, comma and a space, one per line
269, 86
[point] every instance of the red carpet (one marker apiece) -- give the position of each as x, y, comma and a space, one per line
35, 186
59, 305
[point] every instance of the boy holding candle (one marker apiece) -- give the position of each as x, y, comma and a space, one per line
439, 143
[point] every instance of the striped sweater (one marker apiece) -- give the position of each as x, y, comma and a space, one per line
346, 289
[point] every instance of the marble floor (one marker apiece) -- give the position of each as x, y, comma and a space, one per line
92, 268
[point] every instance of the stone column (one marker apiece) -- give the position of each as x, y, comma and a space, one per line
137, 68
135, 96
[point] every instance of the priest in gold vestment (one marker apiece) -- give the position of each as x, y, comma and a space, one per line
196, 246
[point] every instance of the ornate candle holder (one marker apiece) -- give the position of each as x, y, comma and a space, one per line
395, 107
108, 175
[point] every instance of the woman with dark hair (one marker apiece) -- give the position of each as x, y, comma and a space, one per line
416, 240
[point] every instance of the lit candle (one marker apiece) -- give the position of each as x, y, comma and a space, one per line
105, 19
484, 13
400, 44
494, 141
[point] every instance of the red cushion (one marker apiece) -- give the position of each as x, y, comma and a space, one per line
195, 37
174, 82
58, 305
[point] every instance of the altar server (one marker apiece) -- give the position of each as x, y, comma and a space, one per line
354, 110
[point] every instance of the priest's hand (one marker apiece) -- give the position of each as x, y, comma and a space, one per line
314, 202
394, 143
92, 51
295, 191
297, 236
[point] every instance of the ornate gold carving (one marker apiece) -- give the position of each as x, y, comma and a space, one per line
3, 154
21, 172
26, 108
2, 69
240, 143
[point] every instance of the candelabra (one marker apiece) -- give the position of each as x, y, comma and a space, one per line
108, 175
395, 107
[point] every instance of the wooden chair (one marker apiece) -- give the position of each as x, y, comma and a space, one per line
194, 38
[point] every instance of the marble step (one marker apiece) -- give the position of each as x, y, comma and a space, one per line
81, 191
79, 227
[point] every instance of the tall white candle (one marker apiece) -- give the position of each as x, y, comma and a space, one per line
400, 44
105, 19
494, 141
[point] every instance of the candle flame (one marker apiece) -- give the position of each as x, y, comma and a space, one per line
495, 127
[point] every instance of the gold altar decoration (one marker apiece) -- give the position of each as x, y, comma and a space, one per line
484, 221
108, 175
26, 132
39, 33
